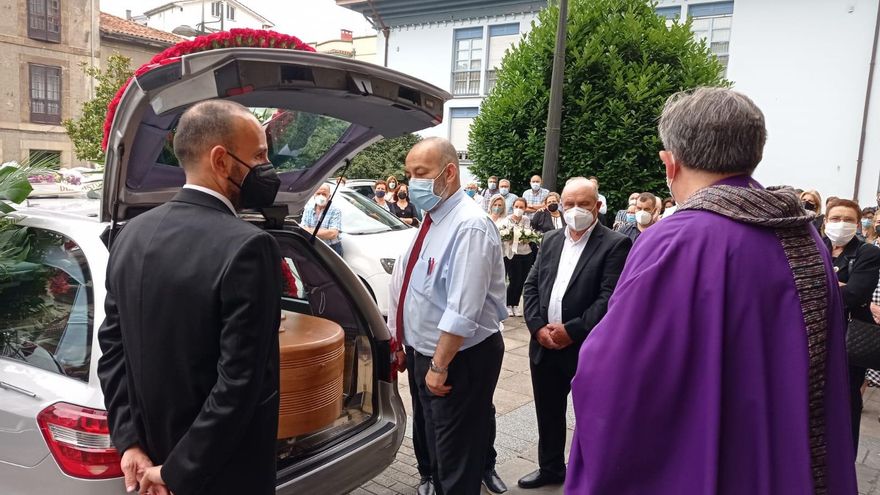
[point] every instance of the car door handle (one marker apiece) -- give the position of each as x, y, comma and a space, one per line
9, 386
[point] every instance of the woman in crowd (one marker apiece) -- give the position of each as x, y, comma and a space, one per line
812, 201
402, 208
380, 194
549, 218
866, 228
392, 185
518, 256
858, 270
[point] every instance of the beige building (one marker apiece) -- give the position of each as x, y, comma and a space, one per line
356, 47
43, 44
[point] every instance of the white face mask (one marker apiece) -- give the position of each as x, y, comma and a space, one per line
518, 212
320, 200
578, 219
840, 233
644, 217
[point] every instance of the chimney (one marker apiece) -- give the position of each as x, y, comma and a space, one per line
345, 35
128, 14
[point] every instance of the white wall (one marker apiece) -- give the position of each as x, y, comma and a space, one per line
426, 51
191, 14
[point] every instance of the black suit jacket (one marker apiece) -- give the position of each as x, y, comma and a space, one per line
858, 266
543, 222
586, 299
190, 345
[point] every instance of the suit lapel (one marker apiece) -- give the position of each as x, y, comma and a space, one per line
554, 253
592, 244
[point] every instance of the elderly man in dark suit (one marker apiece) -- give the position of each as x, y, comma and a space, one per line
190, 345
566, 294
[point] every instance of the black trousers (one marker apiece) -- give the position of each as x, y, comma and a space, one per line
856, 379
517, 272
551, 383
461, 420
424, 458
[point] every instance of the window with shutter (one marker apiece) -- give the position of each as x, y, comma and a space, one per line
712, 22
501, 37
468, 61
230, 13
44, 20
45, 85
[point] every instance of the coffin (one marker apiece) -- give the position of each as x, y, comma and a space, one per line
311, 366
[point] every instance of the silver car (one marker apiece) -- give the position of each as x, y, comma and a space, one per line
321, 111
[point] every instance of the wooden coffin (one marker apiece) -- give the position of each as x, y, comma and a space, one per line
312, 365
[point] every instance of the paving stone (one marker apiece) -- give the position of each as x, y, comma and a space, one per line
506, 401
520, 383
517, 364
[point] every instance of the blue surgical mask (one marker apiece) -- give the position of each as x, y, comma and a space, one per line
631, 218
866, 224
504, 190
471, 192
421, 193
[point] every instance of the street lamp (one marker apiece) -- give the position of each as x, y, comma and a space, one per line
199, 30
187, 31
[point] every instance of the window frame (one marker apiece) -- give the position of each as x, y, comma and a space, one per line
496, 30
462, 113
230, 12
42, 71
44, 34
713, 11
462, 35
217, 10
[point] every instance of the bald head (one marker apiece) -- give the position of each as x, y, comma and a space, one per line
582, 193
207, 124
435, 158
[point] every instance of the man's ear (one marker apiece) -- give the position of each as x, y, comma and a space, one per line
218, 164
668, 160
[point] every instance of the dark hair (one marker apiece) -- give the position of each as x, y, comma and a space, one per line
205, 125
517, 200
868, 211
648, 197
493, 177
830, 199
845, 203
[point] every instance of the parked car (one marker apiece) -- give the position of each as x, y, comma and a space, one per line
54, 436
365, 187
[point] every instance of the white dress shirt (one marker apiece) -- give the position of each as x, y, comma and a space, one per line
457, 283
571, 253
604, 209
214, 193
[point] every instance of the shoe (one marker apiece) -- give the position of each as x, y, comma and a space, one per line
426, 486
538, 479
493, 482
516, 311
509, 311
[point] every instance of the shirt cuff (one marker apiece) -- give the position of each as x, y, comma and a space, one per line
456, 324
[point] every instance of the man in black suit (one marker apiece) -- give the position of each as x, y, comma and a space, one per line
566, 294
190, 342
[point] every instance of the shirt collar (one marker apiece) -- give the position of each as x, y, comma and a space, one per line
446, 207
214, 193
583, 239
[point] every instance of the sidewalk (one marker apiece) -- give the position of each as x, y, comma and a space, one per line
517, 434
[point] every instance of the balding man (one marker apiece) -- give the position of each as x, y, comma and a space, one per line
447, 303
535, 196
189, 368
566, 294
646, 214
331, 223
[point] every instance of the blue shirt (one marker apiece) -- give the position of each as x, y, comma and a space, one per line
457, 283
333, 220
534, 198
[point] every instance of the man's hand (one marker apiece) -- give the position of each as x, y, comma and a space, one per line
436, 383
152, 483
559, 336
875, 312
400, 357
134, 463
543, 337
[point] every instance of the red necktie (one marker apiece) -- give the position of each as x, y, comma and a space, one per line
411, 262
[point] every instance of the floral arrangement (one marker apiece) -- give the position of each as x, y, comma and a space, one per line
233, 38
42, 179
289, 281
521, 235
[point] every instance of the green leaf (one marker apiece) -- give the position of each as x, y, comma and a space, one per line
16, 192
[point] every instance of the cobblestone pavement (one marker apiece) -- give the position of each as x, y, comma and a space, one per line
517, 436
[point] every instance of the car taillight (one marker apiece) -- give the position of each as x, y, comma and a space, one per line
79, 439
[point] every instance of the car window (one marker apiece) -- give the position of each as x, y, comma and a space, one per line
361, 215
47, 309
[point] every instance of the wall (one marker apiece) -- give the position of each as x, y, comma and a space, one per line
365, 49
17, 134
191, 14
138, 54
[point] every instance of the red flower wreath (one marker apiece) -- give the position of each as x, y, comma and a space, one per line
223, 39
289, 281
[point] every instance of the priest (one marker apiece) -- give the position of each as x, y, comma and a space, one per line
735, 382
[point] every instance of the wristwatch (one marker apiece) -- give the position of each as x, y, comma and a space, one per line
437, 369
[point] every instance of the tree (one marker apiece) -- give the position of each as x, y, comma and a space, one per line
383, 158
622, 63
87, 131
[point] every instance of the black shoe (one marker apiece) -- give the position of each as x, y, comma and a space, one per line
426, 486
493, 482
539, 478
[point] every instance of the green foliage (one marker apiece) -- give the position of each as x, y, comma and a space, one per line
622, 63
87, 131
383, 158
14, 184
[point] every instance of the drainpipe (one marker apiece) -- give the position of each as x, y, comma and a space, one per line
379, 24
861, 155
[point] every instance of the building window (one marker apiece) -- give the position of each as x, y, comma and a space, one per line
501, 37
230, 12
45, 83
712, 22
45, 158
468, 63
44, 20
671, 14
460, 120
217, 9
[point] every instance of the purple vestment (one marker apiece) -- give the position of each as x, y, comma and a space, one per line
695, 382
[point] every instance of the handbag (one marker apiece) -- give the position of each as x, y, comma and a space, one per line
863, 344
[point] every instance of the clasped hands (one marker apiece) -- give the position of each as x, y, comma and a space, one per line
553, 336
139, 470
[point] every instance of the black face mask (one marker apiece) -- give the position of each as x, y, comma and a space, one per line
553, 207
259, 186
401, 195
809, 206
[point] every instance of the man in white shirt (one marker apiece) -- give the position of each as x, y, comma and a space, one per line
604, 209
447, 303
565, 295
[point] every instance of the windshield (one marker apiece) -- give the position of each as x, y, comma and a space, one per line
361, 215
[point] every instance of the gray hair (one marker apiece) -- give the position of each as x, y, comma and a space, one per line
715, 130
205, 125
